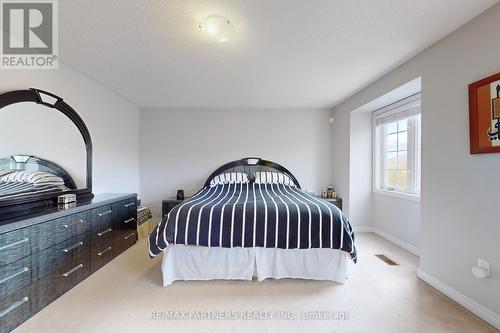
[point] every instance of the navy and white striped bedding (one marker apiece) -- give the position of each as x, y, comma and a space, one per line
11, 190
14, 183
34, 177
254, 215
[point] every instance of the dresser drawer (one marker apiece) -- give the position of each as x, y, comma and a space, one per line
125, 214
15, 309
71, 226
102, 245
130, 206
122, 240
102, 235
59, 230
62, 257
59, 269
102, 217
15, 276
102, 252
15, 245
49, 288
82, 217
126, 223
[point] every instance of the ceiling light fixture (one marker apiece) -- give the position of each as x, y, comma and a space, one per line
217, 28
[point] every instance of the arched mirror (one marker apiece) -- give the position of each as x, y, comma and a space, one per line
45, 151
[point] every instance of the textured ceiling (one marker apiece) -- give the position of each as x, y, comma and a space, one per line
285, 53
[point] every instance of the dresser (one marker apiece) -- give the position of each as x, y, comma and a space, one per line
45, 255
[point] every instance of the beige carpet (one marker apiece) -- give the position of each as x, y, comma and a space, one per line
122, 296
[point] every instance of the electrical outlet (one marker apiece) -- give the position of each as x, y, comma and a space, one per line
483, 264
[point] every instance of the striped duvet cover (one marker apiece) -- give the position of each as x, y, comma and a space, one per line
254, 215
14, 189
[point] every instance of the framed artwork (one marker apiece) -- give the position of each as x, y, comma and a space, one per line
484, 115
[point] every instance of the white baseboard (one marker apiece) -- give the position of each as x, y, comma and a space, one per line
405, 245
477, 309
363, 229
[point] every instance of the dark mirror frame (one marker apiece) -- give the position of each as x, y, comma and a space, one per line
30, 203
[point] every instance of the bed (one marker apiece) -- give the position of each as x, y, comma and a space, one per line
251, 219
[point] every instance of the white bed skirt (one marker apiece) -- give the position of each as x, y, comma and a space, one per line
184, 262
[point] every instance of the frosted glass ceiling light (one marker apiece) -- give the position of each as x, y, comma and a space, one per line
217, 28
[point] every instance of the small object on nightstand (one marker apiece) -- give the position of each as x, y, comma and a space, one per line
180, 194
323, 195
329, 191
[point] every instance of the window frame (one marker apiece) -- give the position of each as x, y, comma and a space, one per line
408, 105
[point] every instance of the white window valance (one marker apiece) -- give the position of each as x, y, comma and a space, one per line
402, 109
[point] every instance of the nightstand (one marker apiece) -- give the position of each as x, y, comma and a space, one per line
168, 204
337, 201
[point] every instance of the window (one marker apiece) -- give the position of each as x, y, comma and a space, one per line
397, 148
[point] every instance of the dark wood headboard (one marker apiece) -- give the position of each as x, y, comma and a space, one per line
250, 165
32, 163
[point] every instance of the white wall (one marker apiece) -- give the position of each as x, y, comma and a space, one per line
180, 148
398, 217
459, 190
112, 122
341, 145
381, 213
360, 169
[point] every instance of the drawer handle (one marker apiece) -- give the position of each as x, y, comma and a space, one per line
22, 271
72, 247
67, 225
101, 253
130, 205
104, 232
105, 213
129, 220
13, 306
24, 240
71, 271
128, 236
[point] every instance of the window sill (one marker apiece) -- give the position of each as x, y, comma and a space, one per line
400, 195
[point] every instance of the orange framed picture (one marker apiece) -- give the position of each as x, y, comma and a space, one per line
484, 115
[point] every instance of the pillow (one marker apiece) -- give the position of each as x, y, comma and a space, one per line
268, 177
38, 178
229, 178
